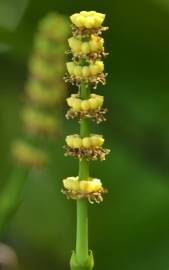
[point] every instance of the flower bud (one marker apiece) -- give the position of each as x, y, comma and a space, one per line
86, 142
76, 104
85, 48
74, 17
79, 21
94, 45
70, 141
77, 142
94, 69
75, 44
86, 71
67, 183
77, 71
94, 103
97, 185
101, 43
75, 185
101, 15
70, 67
89, 22
85, 186
90, 19
84, 13
85, 105
100, 65
70, 101
100, 99
94, 140
98, 21
100, 141
71, 41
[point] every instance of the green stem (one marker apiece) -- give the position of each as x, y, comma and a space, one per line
11, 196
82, 251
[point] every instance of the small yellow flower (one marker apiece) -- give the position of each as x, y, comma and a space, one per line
67, 183
94, 103
97, 185
70, 101
75, 44
89, 20
85, 48
77, 71
76, 104
86, 142
77, 142
70, 141
100, 141
70, 67
94, 45
75, 185
94, 140
87, 186
85, 105
94, 69
85, 72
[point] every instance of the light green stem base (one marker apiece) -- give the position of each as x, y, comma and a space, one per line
87, 265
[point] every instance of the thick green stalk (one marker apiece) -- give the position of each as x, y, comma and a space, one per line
82, 251
10, 197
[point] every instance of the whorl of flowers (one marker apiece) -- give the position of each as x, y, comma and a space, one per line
44, 91
86, 68
86, 71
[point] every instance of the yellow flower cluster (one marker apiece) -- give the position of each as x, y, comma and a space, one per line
86, 71
85, 186
75, 141
93, 103
95, 44
39, 93
45, 71
38, 122
27, 154
88, 19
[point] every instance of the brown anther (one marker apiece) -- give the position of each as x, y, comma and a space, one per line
91, 153
97, 116
94, 80
84, 33
89, 58
93, 197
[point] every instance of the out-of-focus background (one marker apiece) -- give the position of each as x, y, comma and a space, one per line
130, 229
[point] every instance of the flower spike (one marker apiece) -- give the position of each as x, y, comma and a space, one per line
44, 92
86, 70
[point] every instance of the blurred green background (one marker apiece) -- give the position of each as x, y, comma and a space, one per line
130, 229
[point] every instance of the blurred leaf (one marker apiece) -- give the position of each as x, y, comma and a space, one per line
11, 12
4, 47
164, 3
